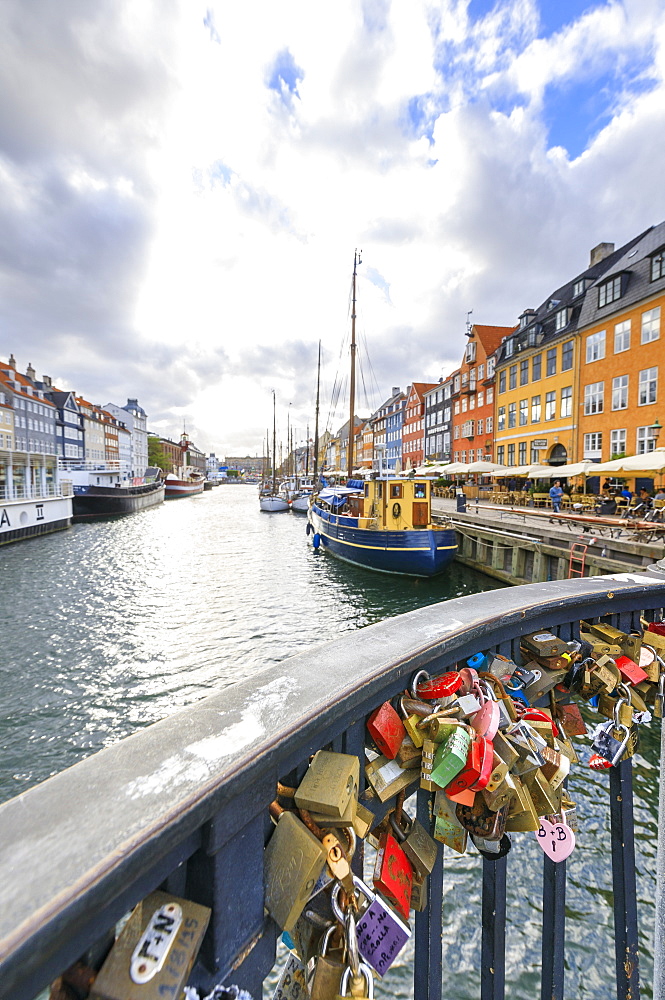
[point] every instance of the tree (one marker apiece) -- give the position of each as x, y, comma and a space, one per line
157, 456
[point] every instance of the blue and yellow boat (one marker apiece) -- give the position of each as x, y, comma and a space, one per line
382, 524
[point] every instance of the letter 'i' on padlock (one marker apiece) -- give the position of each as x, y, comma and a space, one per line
386, 729
345, 986
330, 783
293, 861
419, 847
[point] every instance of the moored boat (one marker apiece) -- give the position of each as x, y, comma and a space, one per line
186, 482
108, 490
383, 525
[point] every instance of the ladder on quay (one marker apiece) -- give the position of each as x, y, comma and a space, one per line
577, 562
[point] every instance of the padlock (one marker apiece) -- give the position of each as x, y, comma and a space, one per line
630, 672
450, 757
469, 704
556, 767
386, 729
545, 680
570, 717
478, 767
500, 666
481, 821
544, 798
600, 646
447, 828
362, 821
426, 765
504, 701
410, 722
499, 795
293, 861
408, 755
155, 951
649, 661
308, 931
330, 782
544, 644
393, 874
422, 686
520, 678
416, 843
522, 815
439, 727
329, 967
608, 746
381, 933
505, 749
292, 983
477, 662
629, 643
346, 984
486, 720
542, 725
345, 820
419, 893
387, 778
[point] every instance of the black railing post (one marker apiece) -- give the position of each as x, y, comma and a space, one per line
493, 947
428, 963
623, 879
554, 929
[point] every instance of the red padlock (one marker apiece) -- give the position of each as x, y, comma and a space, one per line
657, 627
386, 729
440, 687
630, 672
393, 874
477, 770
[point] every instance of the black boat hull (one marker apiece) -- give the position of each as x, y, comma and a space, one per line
109, 501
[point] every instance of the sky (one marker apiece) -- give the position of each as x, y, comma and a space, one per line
183, 187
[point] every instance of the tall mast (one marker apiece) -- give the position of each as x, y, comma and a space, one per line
274, 438
316, 419
352, 382
307, 451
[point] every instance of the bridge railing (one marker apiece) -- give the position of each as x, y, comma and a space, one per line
183, 804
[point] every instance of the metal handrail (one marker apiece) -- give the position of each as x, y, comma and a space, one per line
184, 802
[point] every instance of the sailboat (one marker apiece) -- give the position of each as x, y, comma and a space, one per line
383, 523
269, 498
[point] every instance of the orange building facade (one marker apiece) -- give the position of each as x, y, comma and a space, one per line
473, 395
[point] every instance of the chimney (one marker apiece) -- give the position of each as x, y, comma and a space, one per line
12, 362
600, 252
30, 372
395, 390
46, 379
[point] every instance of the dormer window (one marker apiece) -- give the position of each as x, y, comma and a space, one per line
610, 291
658, 265
471, 351
579, 287
510, 347
561, 319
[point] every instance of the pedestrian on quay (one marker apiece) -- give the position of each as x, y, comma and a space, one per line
556, 493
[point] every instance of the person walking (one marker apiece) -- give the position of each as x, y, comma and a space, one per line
556, 493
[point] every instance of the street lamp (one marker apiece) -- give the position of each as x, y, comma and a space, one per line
655, 429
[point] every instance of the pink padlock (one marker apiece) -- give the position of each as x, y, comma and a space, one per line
486, 720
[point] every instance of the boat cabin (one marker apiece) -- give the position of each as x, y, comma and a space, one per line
395, 503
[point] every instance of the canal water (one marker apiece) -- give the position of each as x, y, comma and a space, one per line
113, 625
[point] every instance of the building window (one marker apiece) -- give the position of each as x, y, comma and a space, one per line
522, 453
561, 319
620, 392
511, 454
512, 414
510, 346
456, 432
657, 266
456, 407
481, 372
535, 409
610, 291
465, 378
536, 365
489, 424
578, 288
651, 325
471, 351
501, 425
524, 412
502, 381
456, 382
593, 445
645, 440
550, 406
567, 356
622, 337
534, 455
595, 346
648, 386
512, 381
593, 398
490, 396
617, 443
500, 451
491, 365
551, 361
567, 401
524, 372
481, 399
465, 404
481, 424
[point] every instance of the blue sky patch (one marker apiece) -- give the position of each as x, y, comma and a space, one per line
220, 172
285, 75
420, 117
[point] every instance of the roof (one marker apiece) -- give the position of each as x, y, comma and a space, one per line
422, 387
491, 336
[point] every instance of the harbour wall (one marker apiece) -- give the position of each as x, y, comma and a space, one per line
517, 548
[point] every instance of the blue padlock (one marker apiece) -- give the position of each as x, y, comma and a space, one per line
478, 661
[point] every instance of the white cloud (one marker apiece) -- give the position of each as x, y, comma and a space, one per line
176, 229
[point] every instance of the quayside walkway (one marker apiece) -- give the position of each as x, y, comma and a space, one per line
184, 806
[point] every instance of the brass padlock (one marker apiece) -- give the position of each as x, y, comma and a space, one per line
416, 843
543, 644
155, 951
500, 795
409, 754
293, 861
330, 783
387, 778
522, 815
361, 986
447, 828
411, 720
329, 966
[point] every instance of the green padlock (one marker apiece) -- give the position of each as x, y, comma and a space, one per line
451, 757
